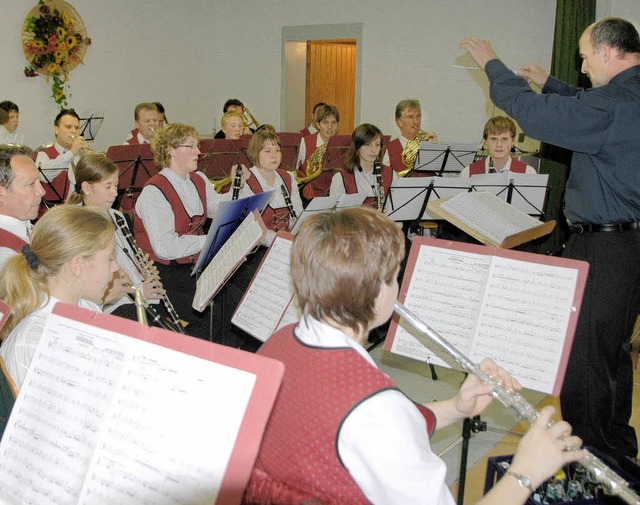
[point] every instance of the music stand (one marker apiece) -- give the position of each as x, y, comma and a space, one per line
90, 122
290, 149
527, 192
136, 166
440, 157
324, 203
220, 155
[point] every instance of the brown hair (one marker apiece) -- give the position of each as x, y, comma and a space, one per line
171, 135
499, 124
409, 103
327, 110
361, 136
143, 106
258, 140
90, 168
339, 261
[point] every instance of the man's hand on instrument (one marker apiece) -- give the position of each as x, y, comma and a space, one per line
479, 49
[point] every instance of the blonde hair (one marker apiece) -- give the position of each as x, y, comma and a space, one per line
228, 115
339, 261
171, 135
90, 168
258, 140
61, 234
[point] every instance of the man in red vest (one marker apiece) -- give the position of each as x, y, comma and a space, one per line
20, 196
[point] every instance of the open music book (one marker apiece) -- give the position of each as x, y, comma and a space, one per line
267, 304
520, 309
227, 260
114, 412
489, 219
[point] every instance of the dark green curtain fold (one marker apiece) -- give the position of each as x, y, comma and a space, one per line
572, 17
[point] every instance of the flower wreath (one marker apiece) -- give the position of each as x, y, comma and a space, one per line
54, 42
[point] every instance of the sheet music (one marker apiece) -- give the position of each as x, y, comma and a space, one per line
269, 294
325, 203
516, 312
223, 264
489, 215
103, 418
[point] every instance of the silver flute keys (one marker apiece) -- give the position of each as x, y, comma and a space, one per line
377, 172
428, 337
140, 264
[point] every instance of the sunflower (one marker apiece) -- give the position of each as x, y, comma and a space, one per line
71, 42
61, 32
65, 17
53, 68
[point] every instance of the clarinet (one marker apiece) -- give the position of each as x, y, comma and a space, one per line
377, 172
287, 201
428, 337
176, 325
237, 180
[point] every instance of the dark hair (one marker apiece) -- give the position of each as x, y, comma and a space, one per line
65, 112
9, 106
315, 107
339, 261
615, 32
232, 102
159, 106
7, 152
327, 110
362, 135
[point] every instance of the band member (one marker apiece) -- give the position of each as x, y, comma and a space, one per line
20, 195
358, 174
232, 124
265, 152
170, 214
312, 149
54, 162
146, 118
499, 136
334, 401
402, 151
234, 105
9, 133
97, 187
313, 127
162, 116
70, 260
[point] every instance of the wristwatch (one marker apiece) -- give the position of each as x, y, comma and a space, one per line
523, 480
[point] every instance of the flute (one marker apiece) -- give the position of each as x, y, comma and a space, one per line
287, 201
377, 172
237, 180
140, 262
428, 337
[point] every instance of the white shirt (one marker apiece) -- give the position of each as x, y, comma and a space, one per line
277, 201
159, 220
20, 345
507, 166
52, 167
365, 183
6, 137
139, 137
383, 441
302, 153
17, 227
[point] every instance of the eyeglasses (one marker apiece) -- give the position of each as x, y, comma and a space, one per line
190, 146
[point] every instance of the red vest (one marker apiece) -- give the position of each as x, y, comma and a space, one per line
394, 149
298, 458
10, 240
274, 219
57, 189
350, 187
184, 224
478, 167
133, 141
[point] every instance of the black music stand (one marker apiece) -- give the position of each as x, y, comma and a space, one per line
441, 157
220, 155
90, 122
527, 192
136, 168
290, 149
57, 188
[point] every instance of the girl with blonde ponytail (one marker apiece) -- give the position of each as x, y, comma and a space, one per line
70, 259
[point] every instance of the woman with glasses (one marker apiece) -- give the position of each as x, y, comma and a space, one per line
170, 214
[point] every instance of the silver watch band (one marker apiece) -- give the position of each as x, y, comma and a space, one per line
523, 480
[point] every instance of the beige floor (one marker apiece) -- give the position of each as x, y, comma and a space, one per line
476, 475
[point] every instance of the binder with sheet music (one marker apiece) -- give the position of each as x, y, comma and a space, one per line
520, 309
112, 411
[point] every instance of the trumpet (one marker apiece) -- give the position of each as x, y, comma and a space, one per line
428, 337
176, 324
248, 118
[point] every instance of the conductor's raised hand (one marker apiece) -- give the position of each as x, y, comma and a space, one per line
479, 49
534, 73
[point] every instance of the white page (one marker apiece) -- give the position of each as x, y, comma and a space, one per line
446, 292
162, 423
269, 293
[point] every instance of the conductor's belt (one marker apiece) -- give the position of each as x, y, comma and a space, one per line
596, 228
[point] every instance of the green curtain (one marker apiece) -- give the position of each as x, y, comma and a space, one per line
572, 17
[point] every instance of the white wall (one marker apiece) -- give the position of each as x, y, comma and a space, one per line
194, 54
